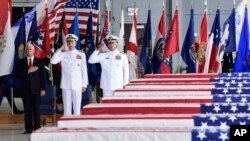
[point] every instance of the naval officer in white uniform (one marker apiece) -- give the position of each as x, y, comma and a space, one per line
115, 69
74, 78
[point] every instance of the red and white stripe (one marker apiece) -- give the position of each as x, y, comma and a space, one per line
55, 18
160, 99
127, 121
132, 51
188, 75
145, 108
83, 18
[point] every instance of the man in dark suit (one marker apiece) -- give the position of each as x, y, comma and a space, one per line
32, 85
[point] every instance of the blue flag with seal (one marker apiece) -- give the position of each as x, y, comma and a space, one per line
20, 42
94, 70
241, 62
231, 41
188, 51
146, 49
33, 34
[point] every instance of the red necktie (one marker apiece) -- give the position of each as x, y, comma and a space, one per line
30, 63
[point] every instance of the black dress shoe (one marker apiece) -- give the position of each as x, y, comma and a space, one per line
27, 132
18, 112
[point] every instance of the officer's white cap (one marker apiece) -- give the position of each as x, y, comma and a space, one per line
71, 37
112, 38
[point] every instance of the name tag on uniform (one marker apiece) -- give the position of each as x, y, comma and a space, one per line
107, 58
118, 57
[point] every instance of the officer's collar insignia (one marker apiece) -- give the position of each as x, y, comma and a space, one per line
118, 57
78, 57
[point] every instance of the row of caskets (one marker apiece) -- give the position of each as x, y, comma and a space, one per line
194, 107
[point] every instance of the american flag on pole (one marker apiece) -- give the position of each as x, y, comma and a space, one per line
55, 18
83, 10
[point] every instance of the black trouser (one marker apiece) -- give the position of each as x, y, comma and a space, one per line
31, 104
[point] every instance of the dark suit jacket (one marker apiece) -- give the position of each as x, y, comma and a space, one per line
33, 82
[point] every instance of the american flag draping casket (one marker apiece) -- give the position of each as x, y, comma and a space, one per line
232, 80
231, 98
211, 134
243, 90
246, 74
223, 121
229, 84
225, 108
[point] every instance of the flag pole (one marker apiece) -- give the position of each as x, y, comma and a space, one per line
177, 3
192, 4
50, 65
234, 3
218, 4
76, 6
206, 5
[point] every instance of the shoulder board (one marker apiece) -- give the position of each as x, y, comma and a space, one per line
80, 51
102, 51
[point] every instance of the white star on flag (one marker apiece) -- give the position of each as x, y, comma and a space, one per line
243, 123
239, 91
225, 91
232, 118
244, 100
201, 135
221, 81
213, 118
223, 136
240, 85
227, 85
223, 125
228, 100
234, 108
217, 108
204, 124
233, 81
229, 74
248, 108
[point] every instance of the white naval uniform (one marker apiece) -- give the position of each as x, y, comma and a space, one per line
115, 70
74, 77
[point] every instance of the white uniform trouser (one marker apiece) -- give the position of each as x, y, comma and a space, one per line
108, 93
72, 97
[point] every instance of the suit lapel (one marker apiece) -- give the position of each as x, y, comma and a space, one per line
25, 60
34, 62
